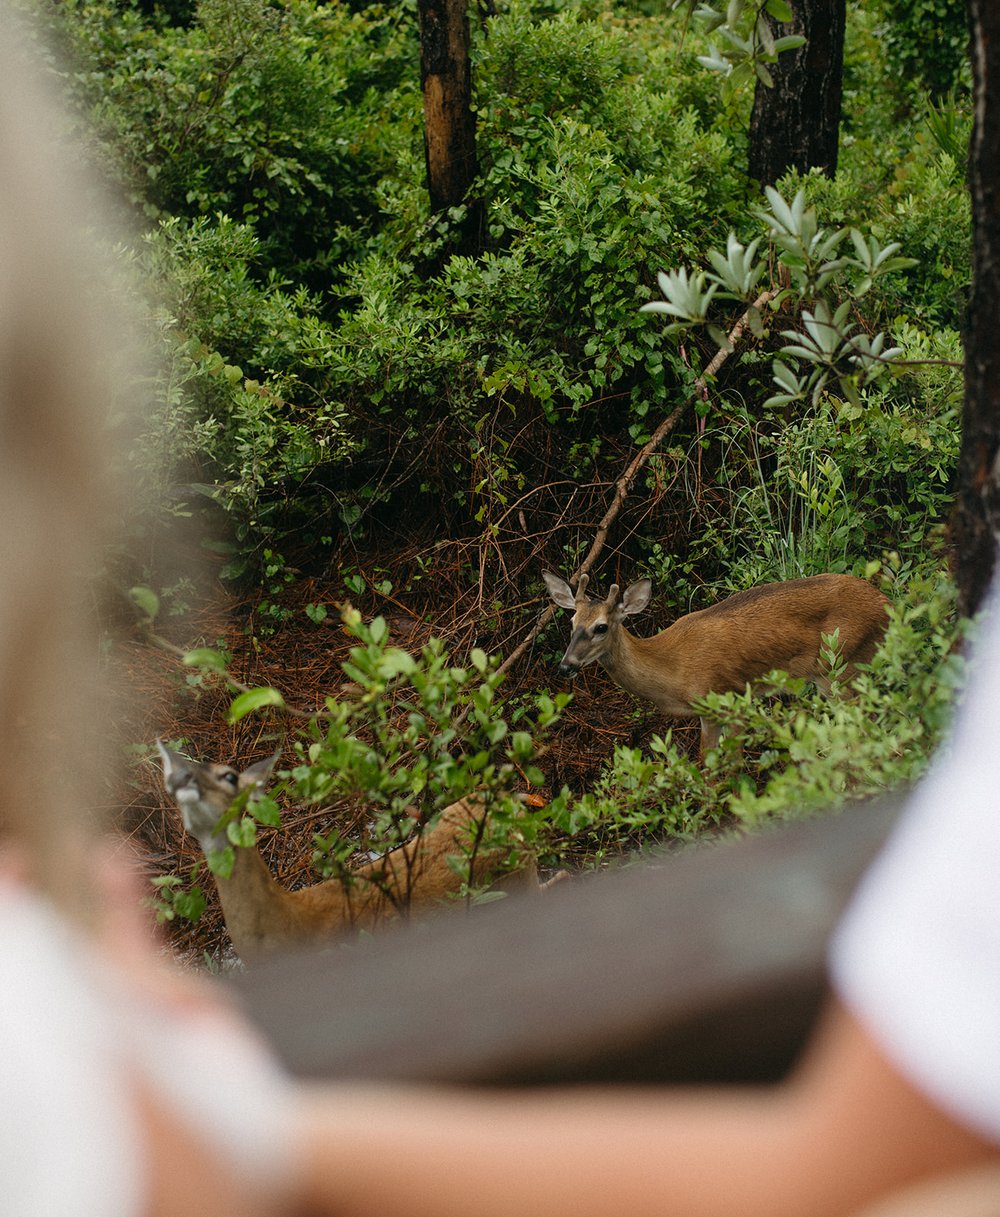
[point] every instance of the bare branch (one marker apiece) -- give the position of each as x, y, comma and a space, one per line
624, 483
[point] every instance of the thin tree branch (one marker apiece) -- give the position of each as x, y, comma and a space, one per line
624, 483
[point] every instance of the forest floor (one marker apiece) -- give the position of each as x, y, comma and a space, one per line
162, 698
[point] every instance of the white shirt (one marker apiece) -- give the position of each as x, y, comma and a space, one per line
917, 957
72, 1034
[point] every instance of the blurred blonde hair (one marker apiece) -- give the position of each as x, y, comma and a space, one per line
57, 492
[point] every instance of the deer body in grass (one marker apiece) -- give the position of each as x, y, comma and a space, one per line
261, 915
725, 647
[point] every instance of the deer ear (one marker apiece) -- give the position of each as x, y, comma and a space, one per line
258, 773
559, 590
637, 596
171, 760
165, 756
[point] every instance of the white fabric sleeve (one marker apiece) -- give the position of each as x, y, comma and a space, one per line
218, 1080
68, 1142
917, 956
75, 1036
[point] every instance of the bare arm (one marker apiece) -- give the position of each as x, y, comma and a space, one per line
844, 1131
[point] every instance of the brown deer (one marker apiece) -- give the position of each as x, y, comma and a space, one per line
261, 915
725, 647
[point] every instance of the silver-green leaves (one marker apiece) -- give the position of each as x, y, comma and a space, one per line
819, 275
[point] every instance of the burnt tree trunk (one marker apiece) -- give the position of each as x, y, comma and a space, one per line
795, 123
975, 523
446, 81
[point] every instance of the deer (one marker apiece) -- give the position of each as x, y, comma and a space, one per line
725, 647
262, 916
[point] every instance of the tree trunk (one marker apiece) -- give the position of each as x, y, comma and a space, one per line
795, 122
975, 523
446, 80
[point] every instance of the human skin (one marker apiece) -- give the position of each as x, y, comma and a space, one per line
845, 1130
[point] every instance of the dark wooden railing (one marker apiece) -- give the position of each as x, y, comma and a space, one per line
702, 965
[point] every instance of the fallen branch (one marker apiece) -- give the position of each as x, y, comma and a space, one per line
624, 483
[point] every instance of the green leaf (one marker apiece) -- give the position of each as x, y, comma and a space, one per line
251, 700
265, 811
189, 905
790, 42
205, 657
242, 832
221, 861
146, 600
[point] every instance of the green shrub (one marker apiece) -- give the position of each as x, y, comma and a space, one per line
926, 43
420, 733
269, 114
234, 415
323, 351
815, 753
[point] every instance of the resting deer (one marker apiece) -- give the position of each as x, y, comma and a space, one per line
723, 648
261, 915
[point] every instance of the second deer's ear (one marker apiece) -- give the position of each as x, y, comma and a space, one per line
172, 761
258, 773
637, 596
165, 757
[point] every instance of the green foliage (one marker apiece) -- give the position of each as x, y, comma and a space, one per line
748, 37
642, 797
420, 734
260, 112
311, 326
855, 452
815, 752
323, 354
172, 900
921, 206
245, 430
278, 151
926, 43
824, 285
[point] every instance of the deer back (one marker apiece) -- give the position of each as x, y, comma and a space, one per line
733, 643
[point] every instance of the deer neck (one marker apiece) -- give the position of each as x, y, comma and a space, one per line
645, 667
258, 911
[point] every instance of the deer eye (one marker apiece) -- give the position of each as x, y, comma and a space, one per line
230, 777
600, 629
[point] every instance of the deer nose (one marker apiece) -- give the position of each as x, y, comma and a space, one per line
568, 669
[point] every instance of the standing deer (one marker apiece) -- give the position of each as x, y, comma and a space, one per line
261, 915
725, 647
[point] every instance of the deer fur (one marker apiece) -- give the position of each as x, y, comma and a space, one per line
261, 915
725, 647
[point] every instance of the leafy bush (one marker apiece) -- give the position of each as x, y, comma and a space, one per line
843, 461
927, 43
235, 417
322, 325
269, 114
419, 734
820, 752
